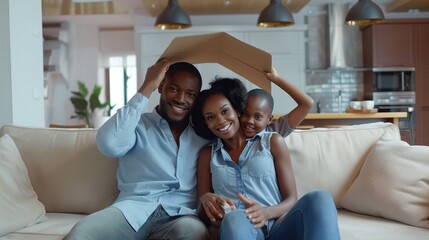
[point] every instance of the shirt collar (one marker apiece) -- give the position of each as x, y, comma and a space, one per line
258, 135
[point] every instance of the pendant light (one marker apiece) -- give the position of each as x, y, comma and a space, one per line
173, 17
275, 15
364, 12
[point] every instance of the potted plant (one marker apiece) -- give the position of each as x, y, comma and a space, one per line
89, 109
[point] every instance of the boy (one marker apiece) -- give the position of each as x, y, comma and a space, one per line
259, 107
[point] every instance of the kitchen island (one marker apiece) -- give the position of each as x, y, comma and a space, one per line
340, 119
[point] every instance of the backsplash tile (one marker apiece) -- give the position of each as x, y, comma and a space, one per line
326, 87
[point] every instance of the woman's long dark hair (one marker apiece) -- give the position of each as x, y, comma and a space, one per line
233, 89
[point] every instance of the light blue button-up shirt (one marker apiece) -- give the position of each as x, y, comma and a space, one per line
254, 176
153, 170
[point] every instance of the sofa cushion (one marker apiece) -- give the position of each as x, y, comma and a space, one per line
393, 183
330, 158
66, 170
19, 206
354, 226
55, 227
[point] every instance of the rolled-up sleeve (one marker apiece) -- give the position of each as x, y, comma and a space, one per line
117, 136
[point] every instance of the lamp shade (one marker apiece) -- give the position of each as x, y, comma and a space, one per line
173, 17
275, 15
364, 12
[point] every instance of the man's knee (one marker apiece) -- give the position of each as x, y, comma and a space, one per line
108, 223
190, 227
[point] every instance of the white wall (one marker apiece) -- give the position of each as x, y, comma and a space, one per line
81, 49
21, 63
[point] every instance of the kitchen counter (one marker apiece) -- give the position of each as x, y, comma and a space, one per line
341, 119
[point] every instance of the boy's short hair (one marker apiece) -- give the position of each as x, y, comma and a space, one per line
257, 92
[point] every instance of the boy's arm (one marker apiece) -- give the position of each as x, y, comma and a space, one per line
305, 102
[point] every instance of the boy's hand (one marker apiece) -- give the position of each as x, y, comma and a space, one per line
272, 75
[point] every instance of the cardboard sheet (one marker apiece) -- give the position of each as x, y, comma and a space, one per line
222, 48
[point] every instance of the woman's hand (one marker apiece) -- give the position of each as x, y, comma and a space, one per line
255, 212
212, 207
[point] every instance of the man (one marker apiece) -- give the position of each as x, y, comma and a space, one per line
157, 154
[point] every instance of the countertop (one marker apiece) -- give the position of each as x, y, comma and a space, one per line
341, 119
356, 115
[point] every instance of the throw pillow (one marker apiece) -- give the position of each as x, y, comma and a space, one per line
393, 183
19, 204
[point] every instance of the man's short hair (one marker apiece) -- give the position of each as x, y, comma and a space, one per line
184, 66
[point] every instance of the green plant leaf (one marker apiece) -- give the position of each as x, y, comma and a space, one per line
94, 102
82, 88
78, 94
79, 104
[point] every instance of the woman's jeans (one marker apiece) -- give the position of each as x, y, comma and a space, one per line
314, 216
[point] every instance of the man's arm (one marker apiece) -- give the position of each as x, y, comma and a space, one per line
117, 136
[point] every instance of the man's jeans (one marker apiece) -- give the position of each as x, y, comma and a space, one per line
161, 226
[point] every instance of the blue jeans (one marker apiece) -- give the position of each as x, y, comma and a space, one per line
313, 217
110, 224
162, 226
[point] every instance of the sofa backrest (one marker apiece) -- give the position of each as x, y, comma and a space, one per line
331, 158
65, 168
70, 175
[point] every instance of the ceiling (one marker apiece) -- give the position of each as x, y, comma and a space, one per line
154, 7
120, 12
206, 7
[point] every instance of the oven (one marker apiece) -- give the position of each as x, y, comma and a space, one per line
399, 102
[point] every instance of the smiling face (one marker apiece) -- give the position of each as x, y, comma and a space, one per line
178, 94
257, 115
220, 117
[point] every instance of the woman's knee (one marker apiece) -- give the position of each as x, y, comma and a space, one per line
318, 198
236, 225
319, 201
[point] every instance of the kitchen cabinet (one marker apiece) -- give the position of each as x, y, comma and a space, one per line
402, 42
388, 45
422, 82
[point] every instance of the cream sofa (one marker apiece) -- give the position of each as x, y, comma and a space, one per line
71, 179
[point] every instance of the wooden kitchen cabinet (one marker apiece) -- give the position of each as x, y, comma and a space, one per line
402, 43
388, 45
422, 82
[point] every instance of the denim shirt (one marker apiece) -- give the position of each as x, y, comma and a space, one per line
153, 170
254, 176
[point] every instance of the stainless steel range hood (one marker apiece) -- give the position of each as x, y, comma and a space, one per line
331, 43
345, 42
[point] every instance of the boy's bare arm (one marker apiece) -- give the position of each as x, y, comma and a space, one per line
305, 102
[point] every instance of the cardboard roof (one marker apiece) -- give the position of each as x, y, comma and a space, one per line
222, 48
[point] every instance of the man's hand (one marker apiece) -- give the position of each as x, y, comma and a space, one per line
154, 76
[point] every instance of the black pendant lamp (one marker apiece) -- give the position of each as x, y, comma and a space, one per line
173, 17
364, 12
275, 15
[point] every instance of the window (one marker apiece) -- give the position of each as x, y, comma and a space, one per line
121, 80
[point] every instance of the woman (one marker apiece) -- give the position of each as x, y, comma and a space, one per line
253, 176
